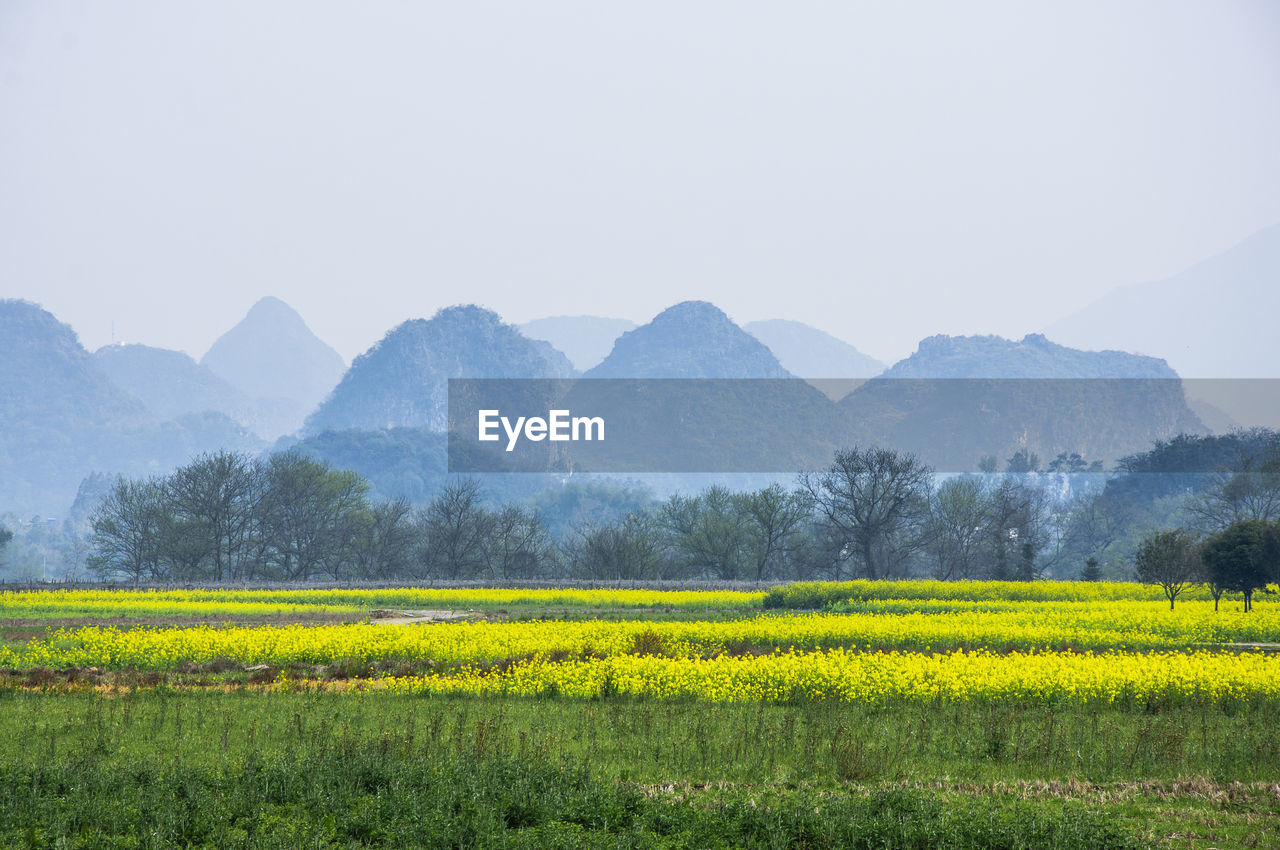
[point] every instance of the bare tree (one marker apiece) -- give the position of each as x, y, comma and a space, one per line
518, 546
874, 501
957, 520
386, 538
776, 518
454, 529
126, 530
627, 549
217, 495
1250, 492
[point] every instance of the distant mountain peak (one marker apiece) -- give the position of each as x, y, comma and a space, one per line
270, 307
586, 340
1214, 320
693, 311
271, 353
692, 339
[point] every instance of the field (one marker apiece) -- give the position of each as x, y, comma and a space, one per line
905, 714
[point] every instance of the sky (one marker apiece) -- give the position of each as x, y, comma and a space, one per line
882, 171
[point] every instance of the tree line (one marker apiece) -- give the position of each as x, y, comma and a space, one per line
872, 513
876, 513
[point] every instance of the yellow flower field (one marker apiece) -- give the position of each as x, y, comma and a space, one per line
1051, 678
1116, 625
1118, 645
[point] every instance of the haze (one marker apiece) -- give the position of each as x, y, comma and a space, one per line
880, 171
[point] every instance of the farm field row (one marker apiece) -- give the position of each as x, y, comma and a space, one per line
54, 604
1026, 627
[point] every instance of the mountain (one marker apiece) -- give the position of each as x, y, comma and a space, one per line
402, 381
806, 351
62, 418
1034, 356
745, 413
272, 354
693, 339
556, 359
957, 399
172, 385
585, 339
168, 382
1214, 320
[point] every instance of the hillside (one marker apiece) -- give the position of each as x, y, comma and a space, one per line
168, 382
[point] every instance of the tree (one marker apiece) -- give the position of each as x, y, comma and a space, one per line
1023, 461
1241, 558
1170, 559
1070, 464
1015, 528
707, 532
310, 516
454, 528
626, 549
874, 502
1092, 571
384, 548
1250, 492
216, 495
957, 527
775, 520
126, 530
518, 546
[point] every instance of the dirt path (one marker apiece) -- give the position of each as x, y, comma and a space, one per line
405, 618
1265, 647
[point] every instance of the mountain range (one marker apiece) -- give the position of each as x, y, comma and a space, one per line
61, 418
137, 410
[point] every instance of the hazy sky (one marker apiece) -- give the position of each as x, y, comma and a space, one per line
883, 171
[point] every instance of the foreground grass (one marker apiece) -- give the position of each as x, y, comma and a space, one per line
349, 796
251, 769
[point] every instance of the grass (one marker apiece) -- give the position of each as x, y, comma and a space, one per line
372, 798
252, 769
